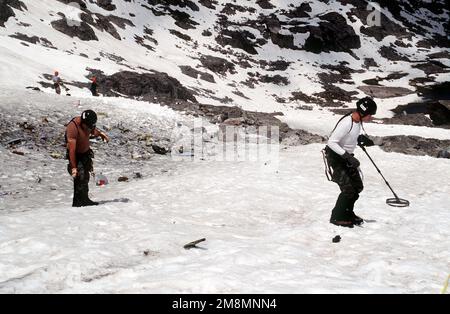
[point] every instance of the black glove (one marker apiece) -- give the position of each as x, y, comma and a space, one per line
364, 141
352, 162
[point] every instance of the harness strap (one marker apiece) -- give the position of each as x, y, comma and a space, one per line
346, 115
328, 169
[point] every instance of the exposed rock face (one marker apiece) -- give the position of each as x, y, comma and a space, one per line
432, 67
276, 79
386, 26
80, 3
265, 4
6, 9
436, 105
438, 111
210, 4
412, 145
301, 137
183, 20
410, 119
231, 9
102, 24
332, 34
106, 4
279, 65
334, 96
83, 31
283, 41
420, 25
180, 35
224, 115
385, 91
217, 65
150, 86
189, 71
440, 91
238, 39
33, 39
391, 76
180, 3
390, 53
299, 12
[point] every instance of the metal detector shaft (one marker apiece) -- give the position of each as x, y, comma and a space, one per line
387, 183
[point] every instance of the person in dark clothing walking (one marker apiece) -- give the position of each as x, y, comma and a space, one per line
345, 167
78, 132
93, 87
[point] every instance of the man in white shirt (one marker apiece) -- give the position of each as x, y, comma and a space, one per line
345, 167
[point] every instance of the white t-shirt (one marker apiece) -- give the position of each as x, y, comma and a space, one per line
56, 79
345, 137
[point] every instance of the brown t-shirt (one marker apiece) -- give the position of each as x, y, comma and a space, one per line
77, 133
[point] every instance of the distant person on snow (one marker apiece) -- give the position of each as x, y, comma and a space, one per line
57, 83
343, 166
94, 86
78, 132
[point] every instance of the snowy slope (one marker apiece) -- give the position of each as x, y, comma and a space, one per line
275, 239
267, 228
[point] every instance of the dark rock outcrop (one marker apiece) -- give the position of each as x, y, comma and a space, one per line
440, 91
231, 9
238, 39
189, 71
390, 53
210, 4
335, 96
180, 35
298, 12
410, 119
438, 111
385, 91
332, 34
217, 65
33, 39
265, 4
83, 31
6, 9
283, 41
225, 115
106, 4
278, 65
275, 79
432, 67
412, 145
82, 5
149, 86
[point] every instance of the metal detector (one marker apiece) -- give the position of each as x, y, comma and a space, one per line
393, 201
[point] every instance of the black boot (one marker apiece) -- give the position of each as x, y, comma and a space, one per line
77, 193
339, 215
81, 193
351, 214
85, 200
89, 202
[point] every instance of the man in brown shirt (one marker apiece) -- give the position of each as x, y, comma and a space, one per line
78, 132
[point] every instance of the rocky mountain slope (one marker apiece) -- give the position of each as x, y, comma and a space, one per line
296, 58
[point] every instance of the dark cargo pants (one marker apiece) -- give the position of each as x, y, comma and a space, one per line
350, 183
81, 182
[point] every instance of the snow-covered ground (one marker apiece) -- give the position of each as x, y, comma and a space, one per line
267, 229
